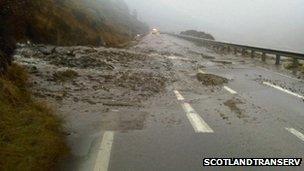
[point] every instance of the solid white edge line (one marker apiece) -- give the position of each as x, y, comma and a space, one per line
296, 133
284, 90
197, 122
178, 95
104, 152
230, 90
280, 74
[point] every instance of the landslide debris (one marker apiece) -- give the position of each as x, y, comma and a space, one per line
67, 75
210, 79
232, 104
141, 81
224, 62
108, 76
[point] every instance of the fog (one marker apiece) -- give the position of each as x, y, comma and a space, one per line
275, 24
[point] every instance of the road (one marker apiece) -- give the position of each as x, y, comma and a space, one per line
258, 113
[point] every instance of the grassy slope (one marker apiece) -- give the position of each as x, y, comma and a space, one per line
79, 22
30, 135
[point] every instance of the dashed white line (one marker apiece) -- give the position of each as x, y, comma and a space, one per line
296, 133
178, 95
104, 152
284, 90
230, 90
201, 71
197, 122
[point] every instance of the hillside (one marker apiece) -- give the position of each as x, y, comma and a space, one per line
65, 22
199, 34
74, 22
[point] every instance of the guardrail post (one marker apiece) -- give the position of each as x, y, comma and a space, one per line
263, 56
278, 59
252, 53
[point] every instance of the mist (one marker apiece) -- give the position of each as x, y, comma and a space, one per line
277, 24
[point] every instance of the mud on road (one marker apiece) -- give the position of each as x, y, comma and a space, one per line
98, 89
107, 74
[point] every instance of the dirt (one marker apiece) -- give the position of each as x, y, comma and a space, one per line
84, 81
223, 116
123, 120
210, 79
63, 76
140, 81
207, 56
222, 62
232, 104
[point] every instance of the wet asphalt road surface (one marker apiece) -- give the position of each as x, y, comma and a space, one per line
258, 113
248, 120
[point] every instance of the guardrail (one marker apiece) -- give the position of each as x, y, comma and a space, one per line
229, 46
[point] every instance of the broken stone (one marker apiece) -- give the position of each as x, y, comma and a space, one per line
210, 79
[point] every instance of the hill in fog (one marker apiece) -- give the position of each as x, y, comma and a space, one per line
71, 22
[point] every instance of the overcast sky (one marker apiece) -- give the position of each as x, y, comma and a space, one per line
272, 23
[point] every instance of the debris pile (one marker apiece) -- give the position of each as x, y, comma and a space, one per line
210, 79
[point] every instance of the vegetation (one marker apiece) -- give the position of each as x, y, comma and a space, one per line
72, 22
65, 22
199, 34
295, 66
31, 136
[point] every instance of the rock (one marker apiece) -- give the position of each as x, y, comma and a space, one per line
46, 50
222, 61
210, 79
34, 70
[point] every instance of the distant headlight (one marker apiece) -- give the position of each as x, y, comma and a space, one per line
155, 31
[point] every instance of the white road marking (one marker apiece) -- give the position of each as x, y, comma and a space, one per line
178, 95
230, 90
179, 58
198, 124
284, 90
104, 152
296, 133
280, 74
201, 71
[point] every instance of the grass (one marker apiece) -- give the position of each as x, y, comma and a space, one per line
70, 22
63, 76
31, 136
